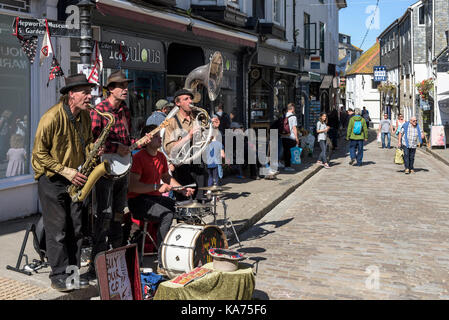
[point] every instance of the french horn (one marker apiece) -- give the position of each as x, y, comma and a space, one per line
210, 76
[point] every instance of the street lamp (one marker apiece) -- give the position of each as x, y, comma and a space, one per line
85, 7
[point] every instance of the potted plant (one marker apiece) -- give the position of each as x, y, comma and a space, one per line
424, 88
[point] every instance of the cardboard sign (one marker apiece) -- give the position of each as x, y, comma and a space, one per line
118, 274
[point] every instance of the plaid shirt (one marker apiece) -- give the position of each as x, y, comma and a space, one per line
119, 131
412, 136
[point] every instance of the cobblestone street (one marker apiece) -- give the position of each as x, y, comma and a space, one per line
332, 236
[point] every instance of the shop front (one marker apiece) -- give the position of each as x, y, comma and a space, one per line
272, 85
145, 63
19, 113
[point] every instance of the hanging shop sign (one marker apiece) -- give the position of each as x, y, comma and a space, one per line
138, 53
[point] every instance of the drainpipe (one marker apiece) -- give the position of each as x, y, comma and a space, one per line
294, 24
412, 76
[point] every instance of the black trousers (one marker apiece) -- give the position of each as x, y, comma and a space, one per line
154, 208
110, 195
62, 223
191, 173
287, 144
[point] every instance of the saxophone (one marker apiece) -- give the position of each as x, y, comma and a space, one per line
90, 169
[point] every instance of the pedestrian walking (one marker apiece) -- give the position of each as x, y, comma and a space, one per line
365, 115
386, 129
334, 124
357, 133
399, 122
408, 139
289, 137
322, 129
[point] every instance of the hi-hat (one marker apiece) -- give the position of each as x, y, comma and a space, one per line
215, 188
194, 205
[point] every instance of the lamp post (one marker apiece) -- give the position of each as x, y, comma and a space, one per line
85, 7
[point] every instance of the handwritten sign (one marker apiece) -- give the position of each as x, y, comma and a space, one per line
118, 279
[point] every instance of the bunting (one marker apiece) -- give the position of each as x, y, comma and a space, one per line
47, 47
97, 65
27, 43
55, 70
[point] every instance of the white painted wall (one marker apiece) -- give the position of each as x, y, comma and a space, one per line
359, 95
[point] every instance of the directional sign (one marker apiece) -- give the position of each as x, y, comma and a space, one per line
36, 27
380, 73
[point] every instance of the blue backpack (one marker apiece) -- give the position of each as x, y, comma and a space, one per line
357, 127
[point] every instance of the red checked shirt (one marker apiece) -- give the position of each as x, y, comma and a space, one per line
119, 131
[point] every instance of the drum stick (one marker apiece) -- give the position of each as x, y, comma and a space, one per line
193, 185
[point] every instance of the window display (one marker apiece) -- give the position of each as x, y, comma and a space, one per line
15, 108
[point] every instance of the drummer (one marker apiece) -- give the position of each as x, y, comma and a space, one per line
145, 189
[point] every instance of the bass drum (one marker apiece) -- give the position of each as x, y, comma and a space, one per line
186, 247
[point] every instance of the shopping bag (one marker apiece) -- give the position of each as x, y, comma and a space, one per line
399, 156
296, 155
379, 137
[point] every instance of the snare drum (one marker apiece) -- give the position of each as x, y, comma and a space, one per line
186, 247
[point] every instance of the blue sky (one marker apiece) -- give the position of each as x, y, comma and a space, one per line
359, 13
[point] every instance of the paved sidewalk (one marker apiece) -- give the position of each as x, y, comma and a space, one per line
248, 201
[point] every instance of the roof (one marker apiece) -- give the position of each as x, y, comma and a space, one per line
365, 63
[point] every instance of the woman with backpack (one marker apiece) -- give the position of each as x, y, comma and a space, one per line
289, 135
322, 129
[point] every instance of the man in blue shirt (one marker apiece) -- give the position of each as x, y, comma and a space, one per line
163, 108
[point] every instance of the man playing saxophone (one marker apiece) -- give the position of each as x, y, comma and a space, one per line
63, 139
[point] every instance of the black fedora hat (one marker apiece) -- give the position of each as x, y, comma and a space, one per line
75, 80
181, 92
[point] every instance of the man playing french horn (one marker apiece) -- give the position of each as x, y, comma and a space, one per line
180, 131
63, 139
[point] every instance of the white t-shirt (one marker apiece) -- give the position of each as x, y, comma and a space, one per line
292, 122
321, 126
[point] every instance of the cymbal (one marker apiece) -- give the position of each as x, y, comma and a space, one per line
215, 188
194, 205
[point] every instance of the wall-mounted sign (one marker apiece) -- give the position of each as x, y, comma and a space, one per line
140, 53
278, 58
380, 73
315, 65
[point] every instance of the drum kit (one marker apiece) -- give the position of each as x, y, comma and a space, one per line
187, 243
194, 212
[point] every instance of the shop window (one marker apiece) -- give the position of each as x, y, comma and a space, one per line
15, 108
143, 93
259, 97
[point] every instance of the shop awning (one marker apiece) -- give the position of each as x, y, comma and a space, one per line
135, 12
327, 82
